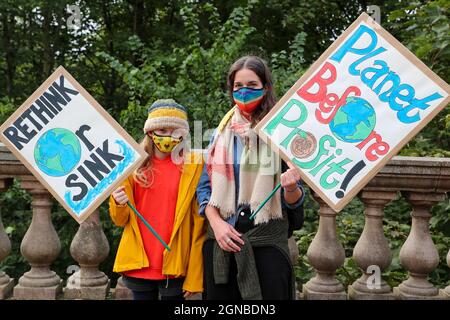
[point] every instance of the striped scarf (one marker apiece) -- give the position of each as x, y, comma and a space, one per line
259, 171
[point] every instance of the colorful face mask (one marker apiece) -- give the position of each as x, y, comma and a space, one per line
248, 99
165, 143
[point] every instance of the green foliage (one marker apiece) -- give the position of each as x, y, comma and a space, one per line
424, 29
6, 108
194, 74
287, 68
14, 210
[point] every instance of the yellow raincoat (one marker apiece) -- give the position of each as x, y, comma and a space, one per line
185, 258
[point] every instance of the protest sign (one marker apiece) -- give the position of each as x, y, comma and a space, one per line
353, 110
71, 144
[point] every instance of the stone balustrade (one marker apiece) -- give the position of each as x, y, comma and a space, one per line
422, 181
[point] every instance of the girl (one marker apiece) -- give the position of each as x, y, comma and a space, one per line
163, 193
243, 258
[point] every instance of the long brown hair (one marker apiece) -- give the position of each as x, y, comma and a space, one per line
258, 66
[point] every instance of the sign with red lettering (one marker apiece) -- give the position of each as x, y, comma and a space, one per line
353, 110
71, 144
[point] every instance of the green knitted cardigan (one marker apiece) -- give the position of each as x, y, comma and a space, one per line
270, 234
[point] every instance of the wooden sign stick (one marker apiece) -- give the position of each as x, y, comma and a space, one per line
278, 186
149, 227
265, 201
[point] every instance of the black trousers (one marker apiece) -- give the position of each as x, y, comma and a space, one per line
274, 272
144, 289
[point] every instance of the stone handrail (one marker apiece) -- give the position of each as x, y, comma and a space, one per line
423, 182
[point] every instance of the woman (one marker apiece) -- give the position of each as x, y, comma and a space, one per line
244, 258
161, 190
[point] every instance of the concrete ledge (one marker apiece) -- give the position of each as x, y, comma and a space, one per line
425, 174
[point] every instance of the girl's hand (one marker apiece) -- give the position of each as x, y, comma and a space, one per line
226, 236
120, 196
289, 179
187, 294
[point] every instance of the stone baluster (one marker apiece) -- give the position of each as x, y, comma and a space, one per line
445, 293
40, 247
418, 254
89, 248
6, 283
121, 292
293, 250
325, 254
372, 249
294, 254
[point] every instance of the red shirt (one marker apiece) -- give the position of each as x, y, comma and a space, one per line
157, 205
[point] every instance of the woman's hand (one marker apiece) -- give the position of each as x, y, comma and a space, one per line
187, 294
289, 181
226, 236
120, 196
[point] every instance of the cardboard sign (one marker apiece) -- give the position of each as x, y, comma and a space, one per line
353, 110
71, 144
